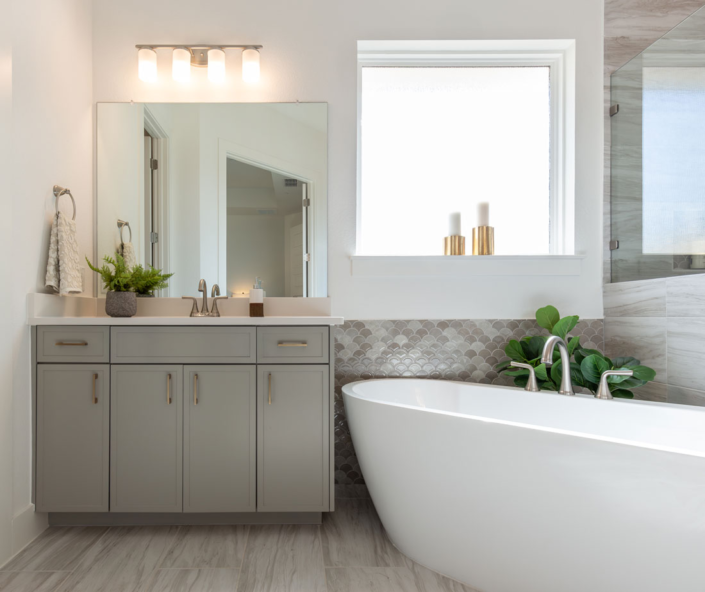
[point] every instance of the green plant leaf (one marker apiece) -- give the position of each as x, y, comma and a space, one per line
576, 375
573, 344
541, 372
503, 365
625, 362
632, 382
622, 394
533, 347
592, 368
517, 372
643, 373
515, 351
521, 381
547, 317
564, 326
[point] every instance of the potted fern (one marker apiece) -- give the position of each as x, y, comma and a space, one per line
120, 301
147, 281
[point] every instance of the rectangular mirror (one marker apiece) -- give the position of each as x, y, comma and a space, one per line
224, 192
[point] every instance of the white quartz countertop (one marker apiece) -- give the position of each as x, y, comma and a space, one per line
48, 309
194, 321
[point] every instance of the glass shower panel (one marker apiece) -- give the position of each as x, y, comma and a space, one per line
658, 158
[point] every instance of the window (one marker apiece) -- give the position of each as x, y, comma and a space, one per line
446, 125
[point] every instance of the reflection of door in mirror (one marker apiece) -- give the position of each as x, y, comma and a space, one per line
266, 230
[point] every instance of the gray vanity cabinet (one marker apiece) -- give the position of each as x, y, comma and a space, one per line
73, 430
293, 435
220, 438
146, 423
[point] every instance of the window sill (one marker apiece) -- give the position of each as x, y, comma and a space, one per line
466, 266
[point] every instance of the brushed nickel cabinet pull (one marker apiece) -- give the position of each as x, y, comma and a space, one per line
195, 389
292, 344
168, 389
95, 398
270, 388
74, 343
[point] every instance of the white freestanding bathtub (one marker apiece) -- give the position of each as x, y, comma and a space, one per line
510, 491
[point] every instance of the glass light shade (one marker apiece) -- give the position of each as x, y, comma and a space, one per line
216, 65
147, 64
250, 65
181, 65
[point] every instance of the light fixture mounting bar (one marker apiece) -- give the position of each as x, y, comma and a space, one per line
158, 46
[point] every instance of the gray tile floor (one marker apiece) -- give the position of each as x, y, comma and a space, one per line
350, 552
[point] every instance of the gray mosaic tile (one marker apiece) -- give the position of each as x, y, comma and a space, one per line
463, 350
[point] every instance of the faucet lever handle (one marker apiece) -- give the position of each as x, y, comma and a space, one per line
531, 385
603, 390
194, 308
214, 309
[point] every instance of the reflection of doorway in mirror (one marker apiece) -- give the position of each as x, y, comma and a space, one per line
267, 218
156, 194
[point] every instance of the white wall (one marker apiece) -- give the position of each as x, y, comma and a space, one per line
310, 55
51, 134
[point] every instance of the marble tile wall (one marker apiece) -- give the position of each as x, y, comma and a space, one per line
463, 350
661, 322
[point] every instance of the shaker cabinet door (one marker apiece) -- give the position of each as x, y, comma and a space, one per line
73, 430
220, 438
293, 438
146, 439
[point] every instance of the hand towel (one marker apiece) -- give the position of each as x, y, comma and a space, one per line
64, 266
128, 254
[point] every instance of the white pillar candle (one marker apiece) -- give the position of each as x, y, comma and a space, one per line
454, 224
483, 213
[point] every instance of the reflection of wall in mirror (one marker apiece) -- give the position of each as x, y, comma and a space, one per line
120, 176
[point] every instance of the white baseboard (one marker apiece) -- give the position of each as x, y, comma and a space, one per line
27, 525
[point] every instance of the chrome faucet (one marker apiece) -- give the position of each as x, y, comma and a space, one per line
215, 294
547, 358
603, 390
203, 288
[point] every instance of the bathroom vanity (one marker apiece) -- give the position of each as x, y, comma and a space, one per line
229, 417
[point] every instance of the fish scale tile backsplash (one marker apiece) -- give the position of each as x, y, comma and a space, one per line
464, 350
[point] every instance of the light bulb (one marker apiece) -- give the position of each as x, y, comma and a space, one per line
216, 65
147, 64
250, 65
181, 65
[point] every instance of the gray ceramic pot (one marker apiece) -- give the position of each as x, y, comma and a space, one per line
121, 304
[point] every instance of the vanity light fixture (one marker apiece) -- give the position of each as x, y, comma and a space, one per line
199, 56
147, 64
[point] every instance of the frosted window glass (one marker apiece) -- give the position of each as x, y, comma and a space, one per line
439, 140
673, 160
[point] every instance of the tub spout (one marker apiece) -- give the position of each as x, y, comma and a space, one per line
547, 358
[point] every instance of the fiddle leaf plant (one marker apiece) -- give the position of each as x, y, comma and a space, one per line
146, 281
118, 279
586, 365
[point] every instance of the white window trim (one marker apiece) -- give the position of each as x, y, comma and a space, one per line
557, 54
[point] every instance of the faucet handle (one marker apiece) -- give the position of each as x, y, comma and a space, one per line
531, 385
214, 309
603, 390
194, 308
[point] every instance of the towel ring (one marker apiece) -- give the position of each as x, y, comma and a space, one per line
58, 192
121, 225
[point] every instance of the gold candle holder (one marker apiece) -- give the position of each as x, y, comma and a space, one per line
483, 240
454, 245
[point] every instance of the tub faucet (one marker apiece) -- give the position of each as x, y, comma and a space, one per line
547, 358
215, 291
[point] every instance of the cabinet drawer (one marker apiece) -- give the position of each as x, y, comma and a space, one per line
292, 345
183, 345
73, 344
